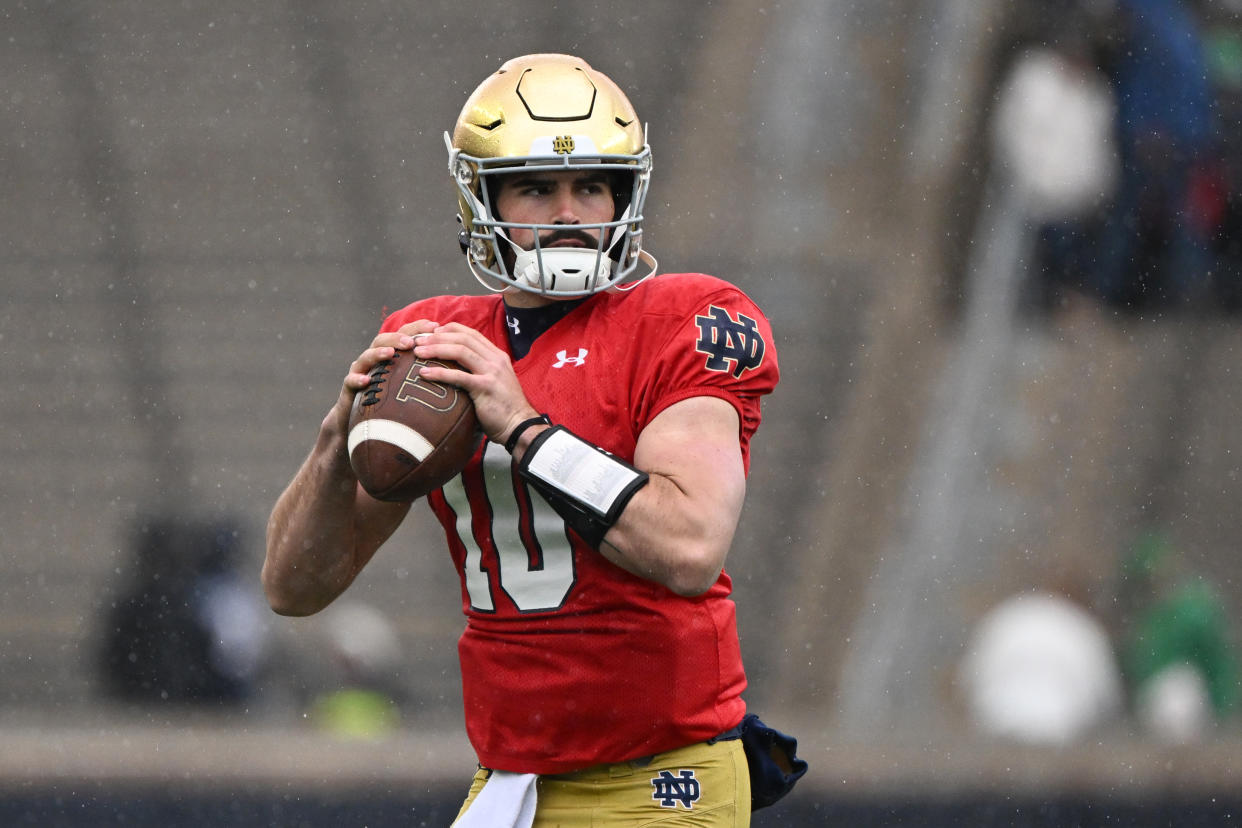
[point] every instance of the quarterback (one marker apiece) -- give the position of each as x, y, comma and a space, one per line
601, 672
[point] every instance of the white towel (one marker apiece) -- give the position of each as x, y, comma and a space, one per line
506, 801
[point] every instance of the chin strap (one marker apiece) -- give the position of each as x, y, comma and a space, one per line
495, 284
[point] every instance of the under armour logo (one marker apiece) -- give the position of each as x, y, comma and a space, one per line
726, 340
563, 144
513, 324
563, 358
671, 790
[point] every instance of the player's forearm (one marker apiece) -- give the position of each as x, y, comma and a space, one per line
676, 526
668, 536
311, 544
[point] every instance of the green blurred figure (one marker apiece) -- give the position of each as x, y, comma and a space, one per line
1177, 653
364, 699
356, 713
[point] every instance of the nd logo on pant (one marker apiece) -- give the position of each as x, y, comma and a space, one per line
671, 791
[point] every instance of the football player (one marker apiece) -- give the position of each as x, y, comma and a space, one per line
601, 671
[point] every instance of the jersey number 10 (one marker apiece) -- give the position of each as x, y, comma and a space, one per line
535, 567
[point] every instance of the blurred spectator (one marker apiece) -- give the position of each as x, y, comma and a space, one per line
1053, 136
188, 627
1223, 36
362, 699
1040, 670
1155, 248
1178, 660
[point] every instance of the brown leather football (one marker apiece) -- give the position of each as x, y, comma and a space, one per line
409, 436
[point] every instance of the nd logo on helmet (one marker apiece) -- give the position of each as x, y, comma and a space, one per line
563, 144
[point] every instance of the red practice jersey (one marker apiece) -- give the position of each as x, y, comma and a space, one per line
567, 660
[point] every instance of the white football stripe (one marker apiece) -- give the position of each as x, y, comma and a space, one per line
391, 431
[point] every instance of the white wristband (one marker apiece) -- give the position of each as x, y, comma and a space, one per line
586, 485
581, 471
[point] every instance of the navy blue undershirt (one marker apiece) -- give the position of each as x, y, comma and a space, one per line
526, 324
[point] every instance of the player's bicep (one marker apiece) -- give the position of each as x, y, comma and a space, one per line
677, 530
694, 444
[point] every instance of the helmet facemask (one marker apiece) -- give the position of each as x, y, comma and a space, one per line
493, 255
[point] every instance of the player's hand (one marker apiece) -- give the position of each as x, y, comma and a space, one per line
359, 376
489, 379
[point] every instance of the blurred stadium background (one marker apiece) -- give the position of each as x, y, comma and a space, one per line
208, 208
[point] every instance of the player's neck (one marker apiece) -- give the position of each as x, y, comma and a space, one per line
526, 324
516, 298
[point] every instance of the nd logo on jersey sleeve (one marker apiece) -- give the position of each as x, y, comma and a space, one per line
732, 345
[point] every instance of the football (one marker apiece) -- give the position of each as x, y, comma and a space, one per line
409, 436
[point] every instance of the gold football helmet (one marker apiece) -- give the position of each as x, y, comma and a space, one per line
552, 111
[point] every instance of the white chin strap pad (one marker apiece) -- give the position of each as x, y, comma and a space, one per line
564, 269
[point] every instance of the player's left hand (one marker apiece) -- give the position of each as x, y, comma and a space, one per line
489, 379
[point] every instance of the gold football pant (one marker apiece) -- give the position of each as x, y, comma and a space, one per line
702, 785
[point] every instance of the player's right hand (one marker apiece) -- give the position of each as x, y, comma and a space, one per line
359, 376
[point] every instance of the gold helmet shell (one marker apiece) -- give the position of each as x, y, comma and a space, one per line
530, 98
550, 110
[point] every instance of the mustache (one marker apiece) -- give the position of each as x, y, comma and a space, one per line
568, 234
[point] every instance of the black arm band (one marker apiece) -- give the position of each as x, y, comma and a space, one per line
586, 485
511, 443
